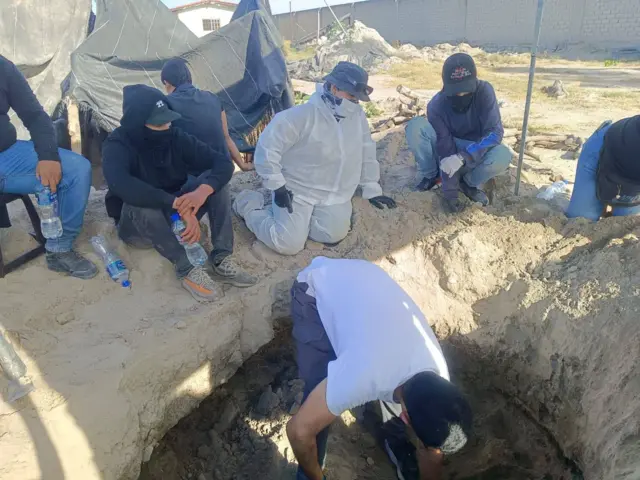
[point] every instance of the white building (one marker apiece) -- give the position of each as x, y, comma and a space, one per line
205, 16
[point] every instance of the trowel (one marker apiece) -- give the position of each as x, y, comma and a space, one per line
15, 370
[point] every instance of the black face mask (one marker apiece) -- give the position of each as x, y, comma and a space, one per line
157, 138
461, 103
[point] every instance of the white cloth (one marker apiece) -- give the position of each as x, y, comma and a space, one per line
285, 232
379, 335
451, 164
322, 161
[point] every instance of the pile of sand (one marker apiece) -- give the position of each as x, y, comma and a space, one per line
539, 308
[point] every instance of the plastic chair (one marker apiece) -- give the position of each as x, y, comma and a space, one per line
5, 199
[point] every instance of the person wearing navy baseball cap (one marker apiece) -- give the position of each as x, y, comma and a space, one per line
460, 137
313, 157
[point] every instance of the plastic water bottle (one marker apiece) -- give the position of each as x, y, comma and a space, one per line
49, 220
195, 253
554, 190
116, 268
557, 193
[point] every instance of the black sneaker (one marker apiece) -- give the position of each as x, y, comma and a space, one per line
403, 456
427, 184
474, 194
71, 263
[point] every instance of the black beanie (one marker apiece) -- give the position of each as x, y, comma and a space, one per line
176, 72
438, 413
622, 147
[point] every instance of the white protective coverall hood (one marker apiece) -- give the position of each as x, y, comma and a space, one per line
322, 161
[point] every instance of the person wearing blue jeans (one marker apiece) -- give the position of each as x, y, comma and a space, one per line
27, 167
461, 136
608, 163
422, 141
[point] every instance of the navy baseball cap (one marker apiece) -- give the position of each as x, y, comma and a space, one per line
162, 114
350, 78
439, 414
459, 75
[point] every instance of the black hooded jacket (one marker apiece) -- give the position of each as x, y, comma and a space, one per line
146, 169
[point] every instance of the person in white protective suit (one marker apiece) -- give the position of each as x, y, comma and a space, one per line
313, 157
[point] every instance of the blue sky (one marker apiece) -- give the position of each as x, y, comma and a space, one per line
277, 6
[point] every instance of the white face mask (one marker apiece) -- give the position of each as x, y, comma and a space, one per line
348, 108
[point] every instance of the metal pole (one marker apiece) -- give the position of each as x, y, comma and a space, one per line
527, 106
318, 34
291, 22
334, 16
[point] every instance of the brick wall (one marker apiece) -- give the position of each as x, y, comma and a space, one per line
482, 22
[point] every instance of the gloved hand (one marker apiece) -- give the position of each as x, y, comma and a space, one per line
283, 198
451, 164
382, 200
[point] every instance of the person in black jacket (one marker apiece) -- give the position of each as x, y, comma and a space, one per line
154, 170
203, 117
28, 167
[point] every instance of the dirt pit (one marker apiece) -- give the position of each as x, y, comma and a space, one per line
239, 433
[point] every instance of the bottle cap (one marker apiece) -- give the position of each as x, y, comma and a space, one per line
175, 216
126, 284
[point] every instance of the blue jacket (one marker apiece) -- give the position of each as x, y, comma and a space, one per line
480, 124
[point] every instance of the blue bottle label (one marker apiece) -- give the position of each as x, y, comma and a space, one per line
114, 268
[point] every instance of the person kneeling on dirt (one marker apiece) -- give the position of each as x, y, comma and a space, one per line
313, 157
608, 172
27, 167
154, 170
361, 338
462, 132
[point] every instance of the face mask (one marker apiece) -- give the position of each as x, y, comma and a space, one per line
461, 103
157, 138
349, 108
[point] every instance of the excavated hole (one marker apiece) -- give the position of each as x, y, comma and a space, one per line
239, 432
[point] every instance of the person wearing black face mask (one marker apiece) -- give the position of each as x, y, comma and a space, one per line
154, 170
461, 135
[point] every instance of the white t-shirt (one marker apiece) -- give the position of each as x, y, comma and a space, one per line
380, 336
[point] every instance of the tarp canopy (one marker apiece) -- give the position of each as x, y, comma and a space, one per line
39, 36
132, 39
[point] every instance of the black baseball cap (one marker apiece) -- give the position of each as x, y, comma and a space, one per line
161, 114
438, 412
350, 78
459, 75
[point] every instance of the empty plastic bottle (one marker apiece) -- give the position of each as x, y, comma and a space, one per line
557, 193
116, 268
195, 253
49, 220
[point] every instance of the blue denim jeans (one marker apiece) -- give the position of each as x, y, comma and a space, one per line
421, 139
18, 175
584, 201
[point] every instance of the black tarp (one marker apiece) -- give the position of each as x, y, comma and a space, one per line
242, 62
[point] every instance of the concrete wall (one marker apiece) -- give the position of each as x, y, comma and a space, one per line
499, 22
193, 18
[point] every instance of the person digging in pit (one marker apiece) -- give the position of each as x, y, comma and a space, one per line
608, 172
461, 135
361, 338
154, 170
313, 157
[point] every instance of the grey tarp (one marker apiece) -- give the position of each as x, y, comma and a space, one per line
242, 63
39, 36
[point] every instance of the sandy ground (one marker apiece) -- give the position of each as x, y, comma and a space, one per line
533, 310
